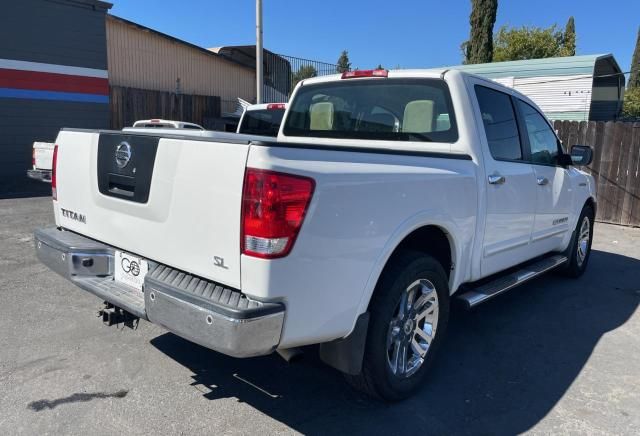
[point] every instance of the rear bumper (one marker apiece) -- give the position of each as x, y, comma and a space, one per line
41, 175
199, 310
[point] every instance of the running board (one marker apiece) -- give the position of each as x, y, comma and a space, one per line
473, 297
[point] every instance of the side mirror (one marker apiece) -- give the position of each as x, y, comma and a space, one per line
581, 155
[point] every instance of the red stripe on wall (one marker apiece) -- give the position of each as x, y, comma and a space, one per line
20, 79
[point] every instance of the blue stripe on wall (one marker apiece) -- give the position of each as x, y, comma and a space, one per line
52, 95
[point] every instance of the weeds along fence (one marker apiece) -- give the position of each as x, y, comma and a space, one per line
615, 166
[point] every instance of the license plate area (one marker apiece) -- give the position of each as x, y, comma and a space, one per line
130, 270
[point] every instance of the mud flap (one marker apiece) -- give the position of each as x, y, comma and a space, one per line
346, 354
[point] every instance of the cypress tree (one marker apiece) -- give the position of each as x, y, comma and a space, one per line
343, 62
634, 76
570, 38
479, 48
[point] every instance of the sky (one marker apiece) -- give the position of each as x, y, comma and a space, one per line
394, 33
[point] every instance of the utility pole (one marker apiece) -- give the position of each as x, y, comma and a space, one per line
259, 53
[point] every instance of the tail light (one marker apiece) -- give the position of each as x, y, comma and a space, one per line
273, 208
54, 171
274, 106
364, 73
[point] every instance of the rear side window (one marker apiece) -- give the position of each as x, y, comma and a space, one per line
542, 140
264, 122
500, 125
378, 109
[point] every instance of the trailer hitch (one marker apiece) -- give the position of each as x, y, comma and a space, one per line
113, 315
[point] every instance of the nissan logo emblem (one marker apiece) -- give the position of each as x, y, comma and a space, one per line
123, 154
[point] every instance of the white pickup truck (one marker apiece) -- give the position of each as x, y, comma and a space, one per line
386, 196
157, 123
41, 160
42, 152
262, 119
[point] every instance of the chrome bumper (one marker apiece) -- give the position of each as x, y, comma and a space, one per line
199, 310
41, 175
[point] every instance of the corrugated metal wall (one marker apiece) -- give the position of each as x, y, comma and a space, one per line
53, 65
146, 60
559, 96
578, 88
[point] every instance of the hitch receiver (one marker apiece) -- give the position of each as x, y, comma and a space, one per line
112, 315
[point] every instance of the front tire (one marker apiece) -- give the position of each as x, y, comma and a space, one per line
409, 314
579, 250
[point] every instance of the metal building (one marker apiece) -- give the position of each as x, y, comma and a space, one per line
53, 74
143, 58
578, 88
276, 68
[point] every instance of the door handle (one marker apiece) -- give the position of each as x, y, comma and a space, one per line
496, 179
542, 181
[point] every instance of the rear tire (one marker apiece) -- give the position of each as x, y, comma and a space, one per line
409, 314
579, 250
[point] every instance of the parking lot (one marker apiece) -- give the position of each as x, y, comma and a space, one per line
556, 356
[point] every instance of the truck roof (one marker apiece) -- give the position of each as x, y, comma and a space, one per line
160, 123
430, 73
265, 106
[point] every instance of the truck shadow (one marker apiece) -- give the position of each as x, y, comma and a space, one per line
503, 367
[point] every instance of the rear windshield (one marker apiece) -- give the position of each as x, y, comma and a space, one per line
157, 126
382, 109
264, 122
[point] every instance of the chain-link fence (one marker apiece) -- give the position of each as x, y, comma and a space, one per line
282, 73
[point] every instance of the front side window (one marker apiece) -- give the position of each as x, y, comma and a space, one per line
377, 109
542, 140
500, 125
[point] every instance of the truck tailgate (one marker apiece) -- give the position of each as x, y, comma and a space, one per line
173, 200
42, 155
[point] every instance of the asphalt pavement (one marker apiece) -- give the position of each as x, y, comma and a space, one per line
554, 356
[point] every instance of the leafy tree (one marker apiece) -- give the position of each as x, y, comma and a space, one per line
518, 43
631, 107
479, 48
379, 67
343, 62
304, 72
634, 77
569, 39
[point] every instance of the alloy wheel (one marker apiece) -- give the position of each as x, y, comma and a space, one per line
413, 328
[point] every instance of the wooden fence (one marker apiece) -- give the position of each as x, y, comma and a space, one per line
615, 166
131, 104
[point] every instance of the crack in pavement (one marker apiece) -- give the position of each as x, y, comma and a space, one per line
40, 405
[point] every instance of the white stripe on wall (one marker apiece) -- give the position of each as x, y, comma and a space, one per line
52, 68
